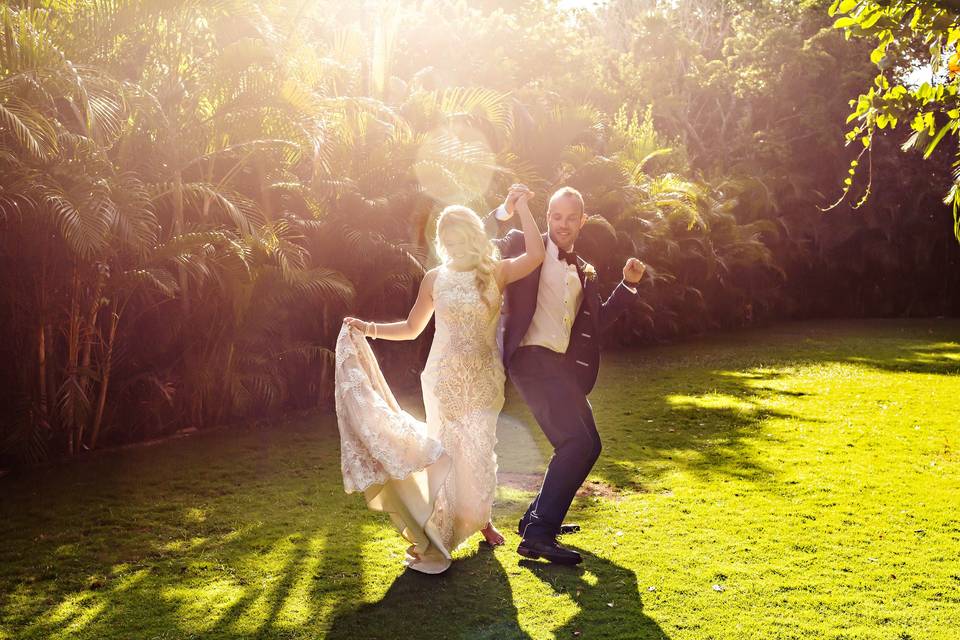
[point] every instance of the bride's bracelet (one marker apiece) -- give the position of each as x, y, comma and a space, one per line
375, 331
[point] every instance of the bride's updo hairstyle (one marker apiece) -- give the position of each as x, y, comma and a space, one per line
460, 236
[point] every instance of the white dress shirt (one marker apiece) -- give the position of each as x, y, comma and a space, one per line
558, 302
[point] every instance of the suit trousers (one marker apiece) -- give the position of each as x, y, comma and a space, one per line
548, 386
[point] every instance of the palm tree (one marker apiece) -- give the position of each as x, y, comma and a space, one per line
123, 173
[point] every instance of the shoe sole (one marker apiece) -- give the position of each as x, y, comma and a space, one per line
533, 555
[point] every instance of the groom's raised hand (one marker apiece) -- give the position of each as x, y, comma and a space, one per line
513, 195
633, 270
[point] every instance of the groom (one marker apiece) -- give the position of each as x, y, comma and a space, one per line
550, 334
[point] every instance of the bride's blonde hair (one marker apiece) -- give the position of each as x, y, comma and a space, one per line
457, 222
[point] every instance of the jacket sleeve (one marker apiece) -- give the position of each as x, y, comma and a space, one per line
616, 305
511, 245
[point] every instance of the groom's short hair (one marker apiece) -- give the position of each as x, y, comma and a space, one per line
568, 192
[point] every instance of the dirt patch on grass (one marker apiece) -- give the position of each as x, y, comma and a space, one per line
532, 481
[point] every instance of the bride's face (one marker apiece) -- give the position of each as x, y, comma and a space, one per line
454, 244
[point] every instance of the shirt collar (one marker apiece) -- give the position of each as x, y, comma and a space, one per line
553, 250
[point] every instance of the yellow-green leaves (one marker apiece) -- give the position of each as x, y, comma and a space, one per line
848, 5
897, 28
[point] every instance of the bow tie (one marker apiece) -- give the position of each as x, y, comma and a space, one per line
567, 256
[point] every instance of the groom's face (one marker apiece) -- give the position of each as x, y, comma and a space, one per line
564, 220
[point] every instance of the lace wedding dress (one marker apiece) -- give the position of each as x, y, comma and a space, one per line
436, 479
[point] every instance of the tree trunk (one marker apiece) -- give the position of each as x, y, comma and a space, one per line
90, 331
73, 358
43, 401
178, 230
42, 372
102, 399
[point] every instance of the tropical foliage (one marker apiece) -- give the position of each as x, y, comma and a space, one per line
193, 194
913, 40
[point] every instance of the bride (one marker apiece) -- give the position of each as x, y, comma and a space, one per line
437, 479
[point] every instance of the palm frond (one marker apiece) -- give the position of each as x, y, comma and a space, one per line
239, 209
34, 133
160, 280
83, 219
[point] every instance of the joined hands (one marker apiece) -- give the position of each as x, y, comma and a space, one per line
518, 195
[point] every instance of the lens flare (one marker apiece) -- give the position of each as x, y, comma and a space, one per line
467, 177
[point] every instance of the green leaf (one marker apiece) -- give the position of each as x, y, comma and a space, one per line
915, 19
844, 22
918, 123
936, 55
953, 35
933, 143
910, 142
847, 5
871, 19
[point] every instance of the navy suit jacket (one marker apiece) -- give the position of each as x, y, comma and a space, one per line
594, 316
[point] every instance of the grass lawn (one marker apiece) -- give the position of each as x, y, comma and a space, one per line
797, 482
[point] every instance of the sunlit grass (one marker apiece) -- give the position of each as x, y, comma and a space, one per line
794, 482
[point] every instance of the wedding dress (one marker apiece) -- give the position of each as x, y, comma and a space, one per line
436, 479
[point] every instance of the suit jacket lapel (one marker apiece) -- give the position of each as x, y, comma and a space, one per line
590, 297
581, 264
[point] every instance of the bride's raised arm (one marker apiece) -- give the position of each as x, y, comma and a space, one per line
407, 329
513, 269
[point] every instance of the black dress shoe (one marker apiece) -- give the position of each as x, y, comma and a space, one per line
548, 550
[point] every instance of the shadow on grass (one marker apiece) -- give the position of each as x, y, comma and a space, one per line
214, 598
701, 407
476, 602
609, 601
249, 534
942, 359
261, 542
606, 595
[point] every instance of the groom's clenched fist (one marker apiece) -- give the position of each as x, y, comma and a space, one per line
633, 270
